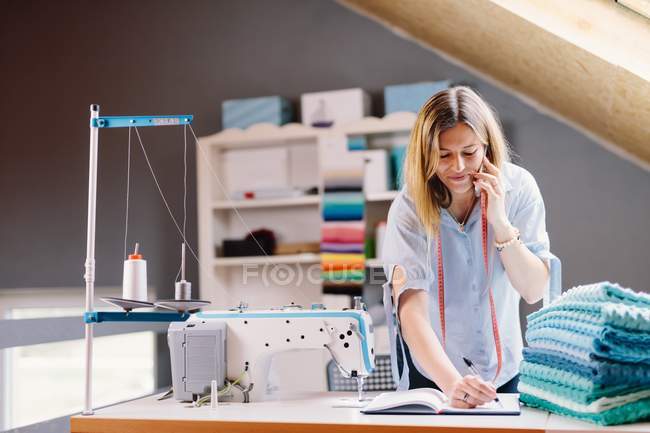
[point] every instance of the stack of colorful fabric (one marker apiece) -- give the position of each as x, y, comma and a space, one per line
589, 355
343, 230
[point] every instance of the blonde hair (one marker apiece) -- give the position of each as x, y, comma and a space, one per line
443, 111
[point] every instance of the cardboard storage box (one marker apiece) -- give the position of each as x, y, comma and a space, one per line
242, 113
337, 107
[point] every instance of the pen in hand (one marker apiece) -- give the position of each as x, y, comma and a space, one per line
475, 372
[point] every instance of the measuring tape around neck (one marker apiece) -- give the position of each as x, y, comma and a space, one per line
441, 287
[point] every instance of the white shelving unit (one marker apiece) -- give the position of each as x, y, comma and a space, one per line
268, 260
308, 200
227, 280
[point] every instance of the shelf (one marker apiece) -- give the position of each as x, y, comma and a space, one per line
261, 135
272, 260
401, 122
307, 200
382, 196
374, 263
285, 258
147, 316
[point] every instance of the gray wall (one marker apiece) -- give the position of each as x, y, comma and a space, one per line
166, 57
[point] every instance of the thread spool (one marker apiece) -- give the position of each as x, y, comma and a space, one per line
214, 395
134, 280
183, 289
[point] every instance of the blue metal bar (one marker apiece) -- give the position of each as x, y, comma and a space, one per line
126, 121
27, 332
110, 316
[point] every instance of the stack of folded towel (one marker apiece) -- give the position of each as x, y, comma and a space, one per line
343, 229
589, 355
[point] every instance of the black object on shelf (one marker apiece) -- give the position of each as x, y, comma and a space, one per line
248, 246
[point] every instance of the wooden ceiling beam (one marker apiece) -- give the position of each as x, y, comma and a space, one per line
565, 62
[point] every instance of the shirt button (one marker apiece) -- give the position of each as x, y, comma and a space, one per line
481, 351
469, 262
473, 286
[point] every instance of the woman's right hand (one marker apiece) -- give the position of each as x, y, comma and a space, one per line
471, 391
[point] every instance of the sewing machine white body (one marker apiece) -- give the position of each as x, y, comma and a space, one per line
253, 337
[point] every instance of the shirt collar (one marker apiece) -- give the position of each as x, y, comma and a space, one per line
505, 181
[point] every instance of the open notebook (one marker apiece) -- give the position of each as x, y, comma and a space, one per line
433, 402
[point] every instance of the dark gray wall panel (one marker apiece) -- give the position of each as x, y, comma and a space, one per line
176, 57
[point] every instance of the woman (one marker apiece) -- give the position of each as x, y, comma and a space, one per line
465, 240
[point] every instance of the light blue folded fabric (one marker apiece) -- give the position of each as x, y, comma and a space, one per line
598, 293
597, 371
628, 317
570, 385
602, 320
604, 342
589, 355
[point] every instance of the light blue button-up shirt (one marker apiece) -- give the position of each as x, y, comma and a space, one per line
467, 309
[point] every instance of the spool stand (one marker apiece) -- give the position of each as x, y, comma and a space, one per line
91, 317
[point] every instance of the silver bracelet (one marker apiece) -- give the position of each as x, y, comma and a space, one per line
501, 245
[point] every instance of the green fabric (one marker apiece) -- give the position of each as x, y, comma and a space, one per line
348, 275
633, 412
575, 394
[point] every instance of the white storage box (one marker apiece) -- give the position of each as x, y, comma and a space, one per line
256, 169
337, 107
303, 166
377, 177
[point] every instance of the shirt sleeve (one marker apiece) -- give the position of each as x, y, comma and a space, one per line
406, 245
530, 219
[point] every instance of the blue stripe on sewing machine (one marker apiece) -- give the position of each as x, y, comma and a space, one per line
127, 121
113, 316
351, 314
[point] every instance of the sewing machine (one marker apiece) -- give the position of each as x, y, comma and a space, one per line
240, 344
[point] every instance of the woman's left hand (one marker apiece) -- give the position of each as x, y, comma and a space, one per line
490, 182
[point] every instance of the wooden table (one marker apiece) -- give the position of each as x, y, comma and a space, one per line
315, 413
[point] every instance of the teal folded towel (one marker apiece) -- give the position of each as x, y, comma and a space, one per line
589, 355
595, 370
597, 321
570, 385
592, 341
634, 411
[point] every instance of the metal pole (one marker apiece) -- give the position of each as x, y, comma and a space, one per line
89, 276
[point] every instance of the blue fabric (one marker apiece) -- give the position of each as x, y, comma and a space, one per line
343, 206
466, 283
572, 386
600, 320
597, 371
589, 355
